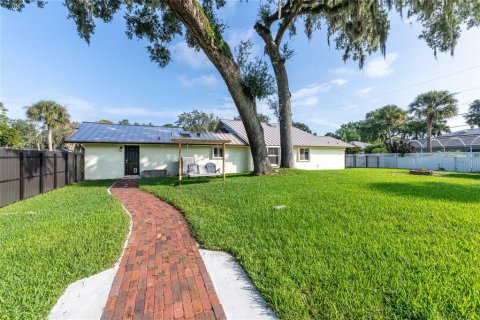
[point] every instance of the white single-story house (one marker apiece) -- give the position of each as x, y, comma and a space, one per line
113, 151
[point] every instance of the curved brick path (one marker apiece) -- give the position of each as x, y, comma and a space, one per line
161, 274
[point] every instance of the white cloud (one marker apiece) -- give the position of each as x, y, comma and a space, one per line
308, 96
208, 80
325, 122
364, 90
138, 111
380, 67
195, 59
343, 71
339, 82
236, 35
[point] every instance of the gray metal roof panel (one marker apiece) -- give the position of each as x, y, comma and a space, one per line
116, 133
299, 137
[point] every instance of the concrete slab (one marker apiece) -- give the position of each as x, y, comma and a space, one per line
239, 297
85, 298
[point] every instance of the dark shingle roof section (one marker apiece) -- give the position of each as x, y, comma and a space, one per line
272, 135
90, 132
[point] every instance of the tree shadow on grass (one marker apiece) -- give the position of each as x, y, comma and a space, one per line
474, 176
173, 181
432, 191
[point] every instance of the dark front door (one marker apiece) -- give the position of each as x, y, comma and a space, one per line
132, 160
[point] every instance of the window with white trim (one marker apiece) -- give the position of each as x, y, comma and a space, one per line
273, 156
217, 152
304, 154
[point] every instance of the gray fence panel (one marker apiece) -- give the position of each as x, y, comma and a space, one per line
26, 173
448, 161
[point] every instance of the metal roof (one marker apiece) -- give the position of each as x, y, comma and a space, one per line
272, 135
458, 139
90, 132
466, 132
360, 144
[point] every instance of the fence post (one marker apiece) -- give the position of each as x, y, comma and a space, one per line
42, 170
75, 167
66, 168
55, 169
378, 161
22, 169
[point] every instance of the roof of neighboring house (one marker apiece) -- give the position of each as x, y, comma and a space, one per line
360, 144
91, 132
457, 139
272, 135
466, 132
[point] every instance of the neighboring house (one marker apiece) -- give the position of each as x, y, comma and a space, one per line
360, 145
459, 141
114, 151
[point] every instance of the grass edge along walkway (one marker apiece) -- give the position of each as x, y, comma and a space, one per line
53, 239
357, 243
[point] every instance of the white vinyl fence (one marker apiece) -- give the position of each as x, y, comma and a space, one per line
448, 161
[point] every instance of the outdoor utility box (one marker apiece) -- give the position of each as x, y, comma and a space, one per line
155, 173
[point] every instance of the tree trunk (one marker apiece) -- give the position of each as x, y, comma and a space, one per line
49, 138
285, 115
429, 134
284, 98
218, 52
389, 133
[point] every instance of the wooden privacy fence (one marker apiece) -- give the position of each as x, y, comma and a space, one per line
26, 173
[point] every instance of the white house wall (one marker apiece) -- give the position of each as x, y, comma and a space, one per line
166, 157
321, 159
104, 161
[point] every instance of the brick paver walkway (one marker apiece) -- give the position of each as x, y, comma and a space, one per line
161, 274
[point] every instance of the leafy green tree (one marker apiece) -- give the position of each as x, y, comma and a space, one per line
9, 137
29, 135
473, 115
50, 114
197, 121
261, 117
302, 126
434, 106
347, 134
358, 28
393, 117
105, 121
124, 122
169, 125
61, 134
3, 114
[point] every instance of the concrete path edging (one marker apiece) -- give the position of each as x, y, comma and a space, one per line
86, 298
240, 299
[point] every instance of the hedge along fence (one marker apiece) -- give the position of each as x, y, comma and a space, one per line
26, 173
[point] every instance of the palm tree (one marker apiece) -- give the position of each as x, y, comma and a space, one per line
473, 115
51, 114
434, 106
392, 116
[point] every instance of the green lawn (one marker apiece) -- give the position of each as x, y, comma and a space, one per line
358, 243
54, 239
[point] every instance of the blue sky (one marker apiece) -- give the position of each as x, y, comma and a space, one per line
42, 57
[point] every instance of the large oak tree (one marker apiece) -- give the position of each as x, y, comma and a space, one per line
358, 28
159, 22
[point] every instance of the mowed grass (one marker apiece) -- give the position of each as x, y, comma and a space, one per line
54, 239
351, 244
